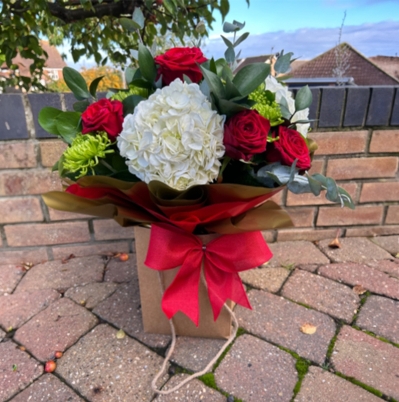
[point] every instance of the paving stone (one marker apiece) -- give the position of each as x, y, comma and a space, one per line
59, 276
2, 335
121, 271
389, 267
308, 267
195, 390
17, 370
18, 308
92, 294
47, 389
10, 275
292, 253
320, 385
368, 360
123, 309
279, 320
195, 353
354, 249
359, 274
55, 329
322, 294
254, 370
103, 368
388, 243
380, 316
270, 279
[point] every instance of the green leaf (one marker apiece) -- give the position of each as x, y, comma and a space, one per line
250, 77
345, 198
230, 55
214, 83
241, 39
315, 185
129, 74
226, 41
138, 17
224, 8
228, 27
81, 106
231, 89
240, 25
140, 83
321, 179
129, 24
130, 103
48, 119
94, 85
227, 73
303, 98
332, 190
147, 65
212, 66
285, 111
76, 83
282, 64
68, 125
170, 6
229, 108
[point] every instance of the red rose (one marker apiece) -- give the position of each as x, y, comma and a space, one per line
104, 115
178, 61
245, 135
290, 146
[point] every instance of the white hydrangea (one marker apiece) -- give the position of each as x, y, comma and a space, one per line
282, 91
174, 137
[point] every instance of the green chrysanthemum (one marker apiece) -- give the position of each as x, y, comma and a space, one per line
84, 152
121, 95
266, 107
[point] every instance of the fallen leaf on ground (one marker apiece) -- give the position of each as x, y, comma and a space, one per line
335, 243
66, 259
120, 334
359, 289
308, 329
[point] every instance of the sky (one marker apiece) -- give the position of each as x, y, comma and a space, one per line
310, 27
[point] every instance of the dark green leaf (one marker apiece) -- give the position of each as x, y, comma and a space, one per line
212, 66
129, 74
282, 64
170, 6
226, 73
94, 85
138, 17
226, 41
250, 77
81, 106
147, 65
332, 190
303, 98
214, 83
76, 83
47, 119
224, 8
129, 24
315, 185
229, 108
319, 177
140, 83
230, 55
231, 89
130, 103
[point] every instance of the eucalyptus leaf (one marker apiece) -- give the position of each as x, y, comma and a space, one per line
214, 83
299, 185
138, 17
250, 77
229, 27
76, 83
226, 41
303, 98
284, 108
282, 64
332, 190
314, 185
230, 55
240, 25
345, 198
241, 39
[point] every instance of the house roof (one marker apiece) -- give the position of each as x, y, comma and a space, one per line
358, 66
390, 64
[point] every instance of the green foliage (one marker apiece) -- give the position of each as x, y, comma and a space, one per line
92, 28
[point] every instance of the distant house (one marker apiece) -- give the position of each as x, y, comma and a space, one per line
52, 70
356, 69
390, 64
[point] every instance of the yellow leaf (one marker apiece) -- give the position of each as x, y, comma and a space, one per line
308, 329
120, 334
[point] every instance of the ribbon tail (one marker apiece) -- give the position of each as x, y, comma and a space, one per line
182, 293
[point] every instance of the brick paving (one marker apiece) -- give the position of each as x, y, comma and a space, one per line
89, 309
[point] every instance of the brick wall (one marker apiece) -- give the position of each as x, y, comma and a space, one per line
357, 130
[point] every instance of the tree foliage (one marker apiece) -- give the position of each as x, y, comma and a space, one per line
95, 27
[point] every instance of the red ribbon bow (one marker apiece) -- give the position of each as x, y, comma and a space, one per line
223, 258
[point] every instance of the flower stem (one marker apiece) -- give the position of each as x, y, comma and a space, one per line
108, 166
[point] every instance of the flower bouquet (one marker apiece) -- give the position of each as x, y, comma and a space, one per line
194, 152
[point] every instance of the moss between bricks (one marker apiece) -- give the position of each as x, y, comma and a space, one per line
363, 299
362, 385
380, 338
302, 367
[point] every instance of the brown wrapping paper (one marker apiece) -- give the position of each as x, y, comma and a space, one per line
154, 319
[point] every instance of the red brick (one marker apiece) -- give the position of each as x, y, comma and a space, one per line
35, 181
310, 199
301, 217
35, 256
393, 214
317, 166
91, 249
382, 191
50, 233
385, 141
359, 168
56, 215
20, 209
337, 216
14, 155
278, 198
305, 234
51, 151
108, 229
372, 231
268, 235
340, 142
